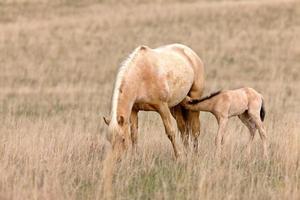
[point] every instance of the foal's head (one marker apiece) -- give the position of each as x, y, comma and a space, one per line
118, 133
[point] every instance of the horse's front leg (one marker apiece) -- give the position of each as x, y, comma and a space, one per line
134, 128
166, 117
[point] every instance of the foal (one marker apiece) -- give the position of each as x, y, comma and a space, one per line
246, 103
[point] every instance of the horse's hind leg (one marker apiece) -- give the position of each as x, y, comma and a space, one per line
255, 117
193, 121
245, 118
166, 117
179, 113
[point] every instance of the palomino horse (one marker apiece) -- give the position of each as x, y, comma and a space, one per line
156, 80
245, 103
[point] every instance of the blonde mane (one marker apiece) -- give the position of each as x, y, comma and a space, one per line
120, 75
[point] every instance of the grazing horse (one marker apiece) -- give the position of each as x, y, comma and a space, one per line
156, 80
245, 103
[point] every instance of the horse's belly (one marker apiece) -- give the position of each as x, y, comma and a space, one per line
179, 84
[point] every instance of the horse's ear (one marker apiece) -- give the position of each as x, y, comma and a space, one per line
106, 120
120, 120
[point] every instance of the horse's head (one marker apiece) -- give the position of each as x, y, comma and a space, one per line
118, 133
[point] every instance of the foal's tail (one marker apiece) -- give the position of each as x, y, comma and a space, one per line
262, 110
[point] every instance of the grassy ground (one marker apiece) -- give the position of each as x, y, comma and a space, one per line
58, 61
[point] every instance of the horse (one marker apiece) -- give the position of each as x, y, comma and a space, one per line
246, 103
158, 80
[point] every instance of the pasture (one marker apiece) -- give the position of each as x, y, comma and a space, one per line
58, 64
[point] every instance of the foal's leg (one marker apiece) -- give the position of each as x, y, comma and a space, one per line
134, 128
245, 118
166, 117
255, 116
221, 131
179, 113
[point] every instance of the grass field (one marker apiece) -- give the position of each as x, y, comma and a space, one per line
58, 61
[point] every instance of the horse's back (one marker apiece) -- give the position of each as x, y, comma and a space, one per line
169, 73
195, 63
179, 70
165, 75
254, 97
184, 52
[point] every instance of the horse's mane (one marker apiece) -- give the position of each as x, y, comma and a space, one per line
119, 79
195, 101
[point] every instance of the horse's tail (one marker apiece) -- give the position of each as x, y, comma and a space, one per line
262, 110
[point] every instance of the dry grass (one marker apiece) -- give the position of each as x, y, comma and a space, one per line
58, 63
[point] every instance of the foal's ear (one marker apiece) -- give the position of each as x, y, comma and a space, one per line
188, 99
120, 120
106, 120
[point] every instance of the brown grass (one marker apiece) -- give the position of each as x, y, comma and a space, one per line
58, 63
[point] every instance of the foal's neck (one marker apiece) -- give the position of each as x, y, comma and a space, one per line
206, 105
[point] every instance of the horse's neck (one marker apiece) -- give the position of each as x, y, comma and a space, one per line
123, 102
124, 92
